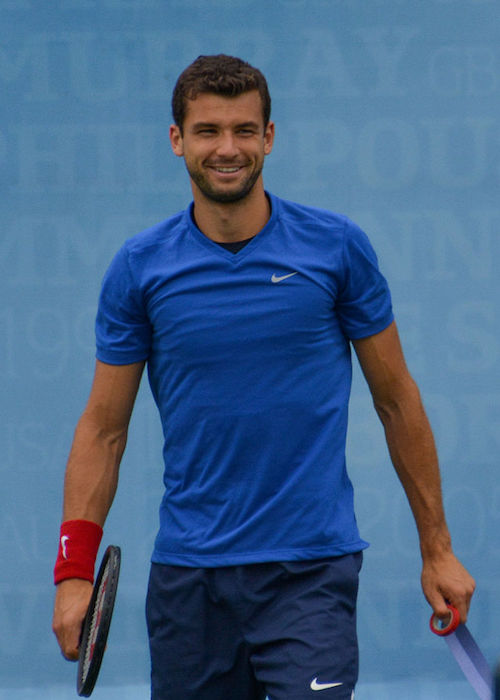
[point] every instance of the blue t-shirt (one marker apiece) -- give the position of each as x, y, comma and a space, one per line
249, 363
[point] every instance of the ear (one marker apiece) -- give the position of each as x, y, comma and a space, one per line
176, 140
268, 138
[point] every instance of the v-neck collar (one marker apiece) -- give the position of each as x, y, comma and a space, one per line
217, 249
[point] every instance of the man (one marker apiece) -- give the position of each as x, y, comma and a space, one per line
244, 307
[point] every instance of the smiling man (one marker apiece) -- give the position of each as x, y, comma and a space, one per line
224, 143
244, 307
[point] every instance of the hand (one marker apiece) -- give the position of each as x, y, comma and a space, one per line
72, 600
445, 580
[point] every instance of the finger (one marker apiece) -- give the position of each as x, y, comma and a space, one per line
461, 600
462, 605
68, 638
68, 647
438, 604
71, 654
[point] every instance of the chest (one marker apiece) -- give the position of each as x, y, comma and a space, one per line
225, 307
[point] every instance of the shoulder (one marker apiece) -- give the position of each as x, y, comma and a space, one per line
161, 234
137, 258
145, 249
302, 214
320, 226
317, 218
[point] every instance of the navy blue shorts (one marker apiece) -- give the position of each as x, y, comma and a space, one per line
282, 629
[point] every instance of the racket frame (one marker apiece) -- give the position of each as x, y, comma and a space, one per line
97, 621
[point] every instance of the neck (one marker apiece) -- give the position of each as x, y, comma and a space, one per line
235, 221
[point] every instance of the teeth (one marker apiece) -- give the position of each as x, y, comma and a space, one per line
227, 170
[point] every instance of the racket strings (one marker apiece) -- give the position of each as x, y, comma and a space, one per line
95, 620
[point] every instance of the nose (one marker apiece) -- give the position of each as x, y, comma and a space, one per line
226, 145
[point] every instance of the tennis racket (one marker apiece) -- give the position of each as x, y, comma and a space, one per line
97, 621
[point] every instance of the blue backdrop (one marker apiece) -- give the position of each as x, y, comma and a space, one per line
386, 110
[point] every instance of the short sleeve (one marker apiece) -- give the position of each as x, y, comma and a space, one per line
364, 302
123, 331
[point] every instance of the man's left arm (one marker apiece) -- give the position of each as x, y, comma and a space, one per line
413, 453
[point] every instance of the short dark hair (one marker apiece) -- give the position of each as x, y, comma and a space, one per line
221, 75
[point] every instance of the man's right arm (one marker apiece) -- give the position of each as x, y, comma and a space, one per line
91, 480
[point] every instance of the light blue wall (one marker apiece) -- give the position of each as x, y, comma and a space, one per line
386, 110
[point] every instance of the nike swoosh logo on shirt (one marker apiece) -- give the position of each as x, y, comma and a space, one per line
323, 686
276, 278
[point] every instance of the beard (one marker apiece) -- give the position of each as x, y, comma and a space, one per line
224, 194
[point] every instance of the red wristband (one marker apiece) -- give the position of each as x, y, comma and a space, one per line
78, 544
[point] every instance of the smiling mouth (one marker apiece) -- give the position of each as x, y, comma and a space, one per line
226, 169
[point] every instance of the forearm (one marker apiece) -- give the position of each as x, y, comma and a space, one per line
413, 454
92, 470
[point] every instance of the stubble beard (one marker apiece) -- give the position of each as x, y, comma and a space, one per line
224, 196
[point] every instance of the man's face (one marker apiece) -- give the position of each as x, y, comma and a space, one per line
223, 143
